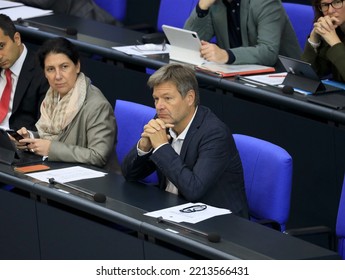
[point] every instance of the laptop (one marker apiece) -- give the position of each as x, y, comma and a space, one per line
9, 154
184, 45
301, 75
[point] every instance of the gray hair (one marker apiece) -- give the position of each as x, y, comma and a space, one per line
180, 75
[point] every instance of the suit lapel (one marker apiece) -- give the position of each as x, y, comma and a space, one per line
195, 125
23, 81
198, 119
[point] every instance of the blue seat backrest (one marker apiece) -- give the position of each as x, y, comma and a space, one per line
117, 8
340, 226
302, 18
174, 12
268, 178
131, 118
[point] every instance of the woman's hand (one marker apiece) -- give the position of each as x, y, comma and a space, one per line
21, 145
37, 146
325, 27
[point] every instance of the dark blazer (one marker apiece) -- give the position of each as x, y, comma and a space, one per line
31, 88
208, 169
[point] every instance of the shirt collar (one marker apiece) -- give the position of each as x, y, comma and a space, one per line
183, 134
17, 66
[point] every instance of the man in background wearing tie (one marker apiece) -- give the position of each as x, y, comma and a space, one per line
22, 81
198, 159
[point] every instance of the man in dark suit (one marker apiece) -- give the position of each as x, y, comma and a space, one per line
192, 150
29, 84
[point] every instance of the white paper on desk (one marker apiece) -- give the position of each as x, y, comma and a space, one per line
174, 214
68, 174
25, 12
9, 4
143, 50
272, 79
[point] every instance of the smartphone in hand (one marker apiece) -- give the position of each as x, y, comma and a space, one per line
14, 134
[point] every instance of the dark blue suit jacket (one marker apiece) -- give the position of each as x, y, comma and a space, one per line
208, 169
31, 89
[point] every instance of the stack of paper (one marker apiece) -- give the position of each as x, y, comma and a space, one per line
17, 10
9, 4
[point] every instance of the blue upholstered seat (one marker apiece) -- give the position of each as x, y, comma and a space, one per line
117, 8
268, 179
301, 17
174, 12
131, 118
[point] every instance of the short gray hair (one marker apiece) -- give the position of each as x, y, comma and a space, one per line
180, 75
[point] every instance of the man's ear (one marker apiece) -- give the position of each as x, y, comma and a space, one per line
17, 39
191, 97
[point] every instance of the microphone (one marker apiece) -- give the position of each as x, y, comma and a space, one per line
68, 30
211, 236
288, 90
98, 197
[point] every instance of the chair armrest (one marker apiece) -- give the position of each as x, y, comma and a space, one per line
309, 231
270, 223
314, 230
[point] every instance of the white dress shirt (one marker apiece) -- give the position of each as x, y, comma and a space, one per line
15, 69
177, 142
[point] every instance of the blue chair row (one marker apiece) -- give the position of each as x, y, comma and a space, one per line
301, 16
181, 11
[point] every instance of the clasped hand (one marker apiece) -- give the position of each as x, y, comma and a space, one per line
325, 27
154, 134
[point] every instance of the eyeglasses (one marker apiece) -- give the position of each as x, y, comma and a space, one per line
194, 208
336, 4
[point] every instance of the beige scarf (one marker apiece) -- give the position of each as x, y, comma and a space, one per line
56, 113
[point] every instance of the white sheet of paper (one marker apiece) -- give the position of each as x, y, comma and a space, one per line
174, 214
272, 79
25, 12
9, 4
68, 174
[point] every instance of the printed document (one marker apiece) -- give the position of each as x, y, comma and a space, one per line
176, 213
68, 174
